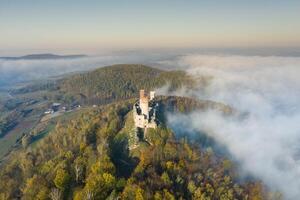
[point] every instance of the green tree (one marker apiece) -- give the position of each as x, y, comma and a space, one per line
166, 179
62, 179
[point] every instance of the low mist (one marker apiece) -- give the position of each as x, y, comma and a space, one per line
15, 71
266, 141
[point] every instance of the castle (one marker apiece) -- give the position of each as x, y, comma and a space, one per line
144, 115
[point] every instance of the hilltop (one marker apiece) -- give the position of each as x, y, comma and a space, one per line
121, 82
43, 57
107, 84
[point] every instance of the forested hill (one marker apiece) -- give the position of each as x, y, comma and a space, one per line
89, 158
186, 105
99, 87
120, 82
43, 57
106, 84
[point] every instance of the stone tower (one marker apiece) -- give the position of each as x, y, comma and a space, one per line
144, 103
144, 114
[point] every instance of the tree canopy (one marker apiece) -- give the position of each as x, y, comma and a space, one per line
88, 158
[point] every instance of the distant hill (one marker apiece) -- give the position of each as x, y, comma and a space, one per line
106, 84
43, 57
120, 82
186, 105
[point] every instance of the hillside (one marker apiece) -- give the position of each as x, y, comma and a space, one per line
120, 82
106, 84
88, 158
101, 86
186, 104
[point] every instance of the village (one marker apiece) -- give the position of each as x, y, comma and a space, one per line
58, 109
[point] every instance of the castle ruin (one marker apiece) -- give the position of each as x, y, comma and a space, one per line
144, 114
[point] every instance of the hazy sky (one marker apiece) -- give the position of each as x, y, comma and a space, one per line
93, 25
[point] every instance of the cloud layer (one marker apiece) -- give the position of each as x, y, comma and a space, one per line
266, 142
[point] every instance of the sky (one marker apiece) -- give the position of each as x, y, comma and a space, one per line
95, 25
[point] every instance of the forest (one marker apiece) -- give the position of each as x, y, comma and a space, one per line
120, 82
104, 85
88, 158
22, 106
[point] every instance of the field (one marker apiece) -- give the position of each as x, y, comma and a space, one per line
10, 139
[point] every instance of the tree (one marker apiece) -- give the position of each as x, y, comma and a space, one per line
139, 194
42, 194
55, 194
168, 195
99, 185
31, 188
89, 195
79, 168
26, 140
158, 196
78, 172
197, 195
166, 179
61, 179
191, 187
256, 191
129, 191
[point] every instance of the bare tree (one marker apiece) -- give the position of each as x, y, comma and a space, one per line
89, 195
55, 194
78, 172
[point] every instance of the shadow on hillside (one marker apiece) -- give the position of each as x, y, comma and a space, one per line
120, 156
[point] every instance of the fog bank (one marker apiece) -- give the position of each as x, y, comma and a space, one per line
266, 142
